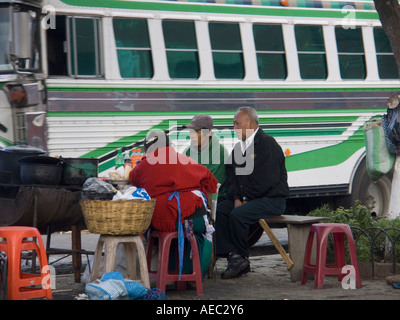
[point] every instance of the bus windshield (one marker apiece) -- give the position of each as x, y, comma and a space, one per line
5, 39
19, 39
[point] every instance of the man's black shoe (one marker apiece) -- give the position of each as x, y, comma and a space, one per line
237, 266
247, 270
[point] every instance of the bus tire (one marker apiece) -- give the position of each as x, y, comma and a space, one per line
375, 196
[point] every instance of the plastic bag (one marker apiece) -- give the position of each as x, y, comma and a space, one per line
379, 159
132, 193
113, 286
97, 189
391, 124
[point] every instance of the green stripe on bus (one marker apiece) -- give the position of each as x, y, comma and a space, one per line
323, 157
222, 9
5, 142
315, 119
328, 156
295, 132
118, 144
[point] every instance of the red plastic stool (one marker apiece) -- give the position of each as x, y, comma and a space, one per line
22, 285
162, 275
320, 269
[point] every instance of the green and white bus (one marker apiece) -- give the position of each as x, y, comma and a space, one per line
85, 78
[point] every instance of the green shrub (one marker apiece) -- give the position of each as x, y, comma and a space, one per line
360, 216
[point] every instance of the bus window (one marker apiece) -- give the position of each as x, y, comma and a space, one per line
386, 63
227, 50
56, 48
351, 53
5, 40
133, 48
84, 35
181, 47
270, 50
73, 47
311, 52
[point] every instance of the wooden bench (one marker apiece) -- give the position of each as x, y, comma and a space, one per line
298, 228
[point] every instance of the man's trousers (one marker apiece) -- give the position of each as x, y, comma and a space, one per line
232, 224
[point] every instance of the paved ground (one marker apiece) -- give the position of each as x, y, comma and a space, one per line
268, 280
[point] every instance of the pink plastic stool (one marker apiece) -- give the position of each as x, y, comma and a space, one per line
22, 285
320, 269
162, 275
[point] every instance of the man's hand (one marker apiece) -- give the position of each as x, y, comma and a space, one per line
238, 203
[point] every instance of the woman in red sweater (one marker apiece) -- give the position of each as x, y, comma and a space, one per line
180, 186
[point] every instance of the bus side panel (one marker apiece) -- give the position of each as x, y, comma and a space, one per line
36, 127
6, 124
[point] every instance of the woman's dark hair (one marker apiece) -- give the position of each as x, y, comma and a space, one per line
156, 139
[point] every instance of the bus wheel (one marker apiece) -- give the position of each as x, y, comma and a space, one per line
375, 196
255, 233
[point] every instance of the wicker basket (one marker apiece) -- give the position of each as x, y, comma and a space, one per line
120, 217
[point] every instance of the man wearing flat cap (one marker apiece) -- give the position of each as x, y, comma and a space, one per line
206, 148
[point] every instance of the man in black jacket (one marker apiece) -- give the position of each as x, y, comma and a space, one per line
256, 188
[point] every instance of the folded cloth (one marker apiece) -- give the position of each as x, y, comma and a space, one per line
113, 286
